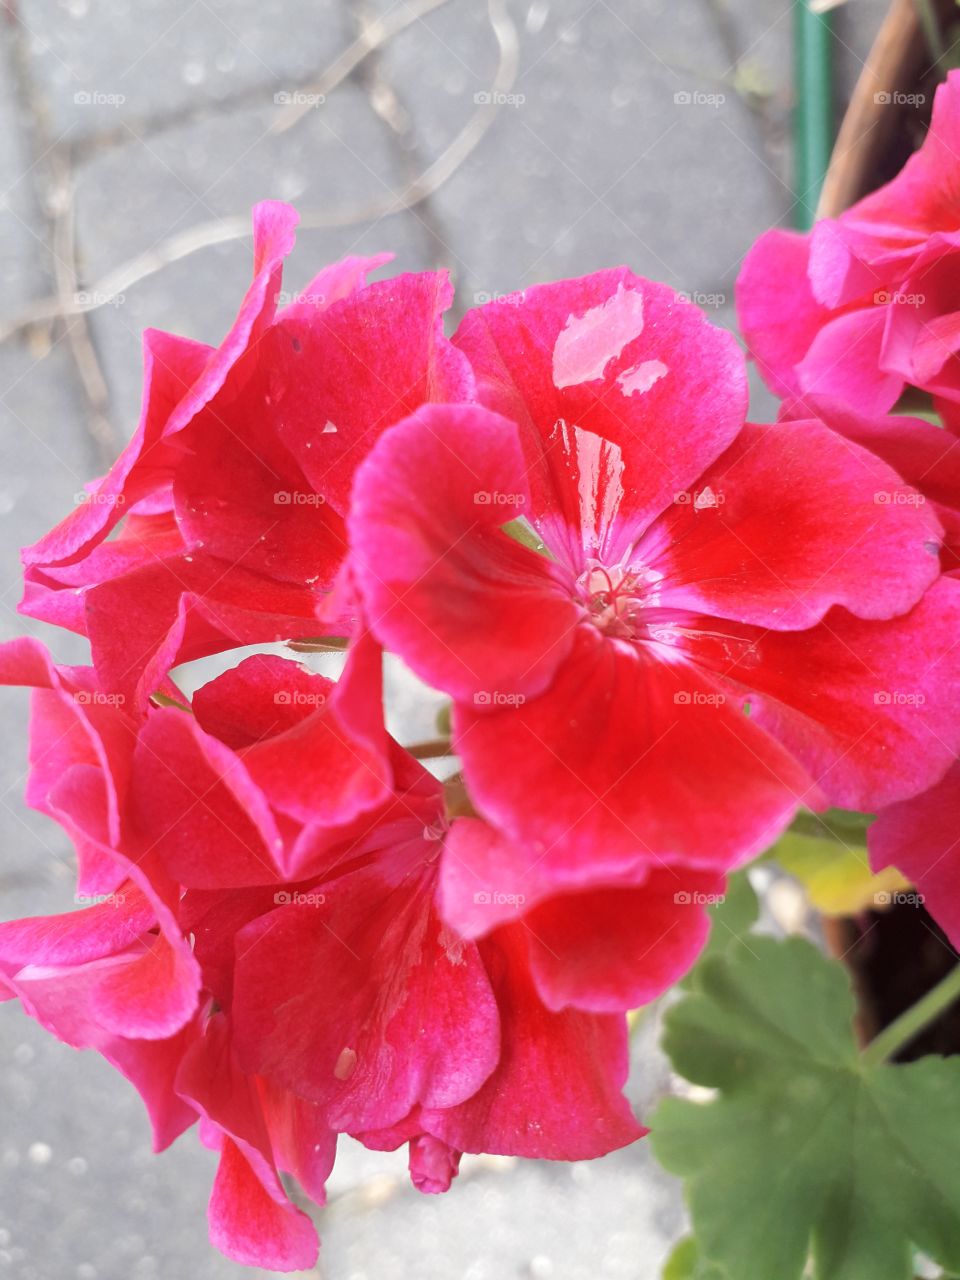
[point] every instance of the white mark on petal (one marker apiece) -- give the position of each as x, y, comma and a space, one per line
641, 377
588, 343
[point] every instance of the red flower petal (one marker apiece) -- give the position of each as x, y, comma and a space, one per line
622, 358
921, 838
628, 760
767, 538
438, 584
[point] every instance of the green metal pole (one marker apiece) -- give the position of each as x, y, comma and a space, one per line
813, 113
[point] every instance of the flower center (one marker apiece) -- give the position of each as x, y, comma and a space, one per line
616, 598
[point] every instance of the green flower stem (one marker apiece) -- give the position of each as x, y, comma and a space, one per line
931, 28
813, 114
916, 1019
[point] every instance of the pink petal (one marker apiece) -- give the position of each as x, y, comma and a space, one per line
778, 313
437, 576
878, 721
843, 363
196, 806
367, 362
556, 1093
921, 838
567, 354
256, 1225
644, 760
798, 520
359, 1001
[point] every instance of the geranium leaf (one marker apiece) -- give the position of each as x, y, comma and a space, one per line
730, 920
837, 877
687, 1263
806, 1151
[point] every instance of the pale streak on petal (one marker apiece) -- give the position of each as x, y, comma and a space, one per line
595, 465
641, 377
587, 343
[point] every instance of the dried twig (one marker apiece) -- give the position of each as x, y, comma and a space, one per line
223, 230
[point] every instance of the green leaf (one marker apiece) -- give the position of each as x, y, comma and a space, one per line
806, 1149
837, 877
730, 920
686, 1263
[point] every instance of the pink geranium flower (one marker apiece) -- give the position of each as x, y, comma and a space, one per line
297, 847
704, 635
230, 496
865, 304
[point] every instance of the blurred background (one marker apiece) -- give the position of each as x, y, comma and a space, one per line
512, 141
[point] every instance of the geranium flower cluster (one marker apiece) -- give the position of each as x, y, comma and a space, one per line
662, 630
843, 322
